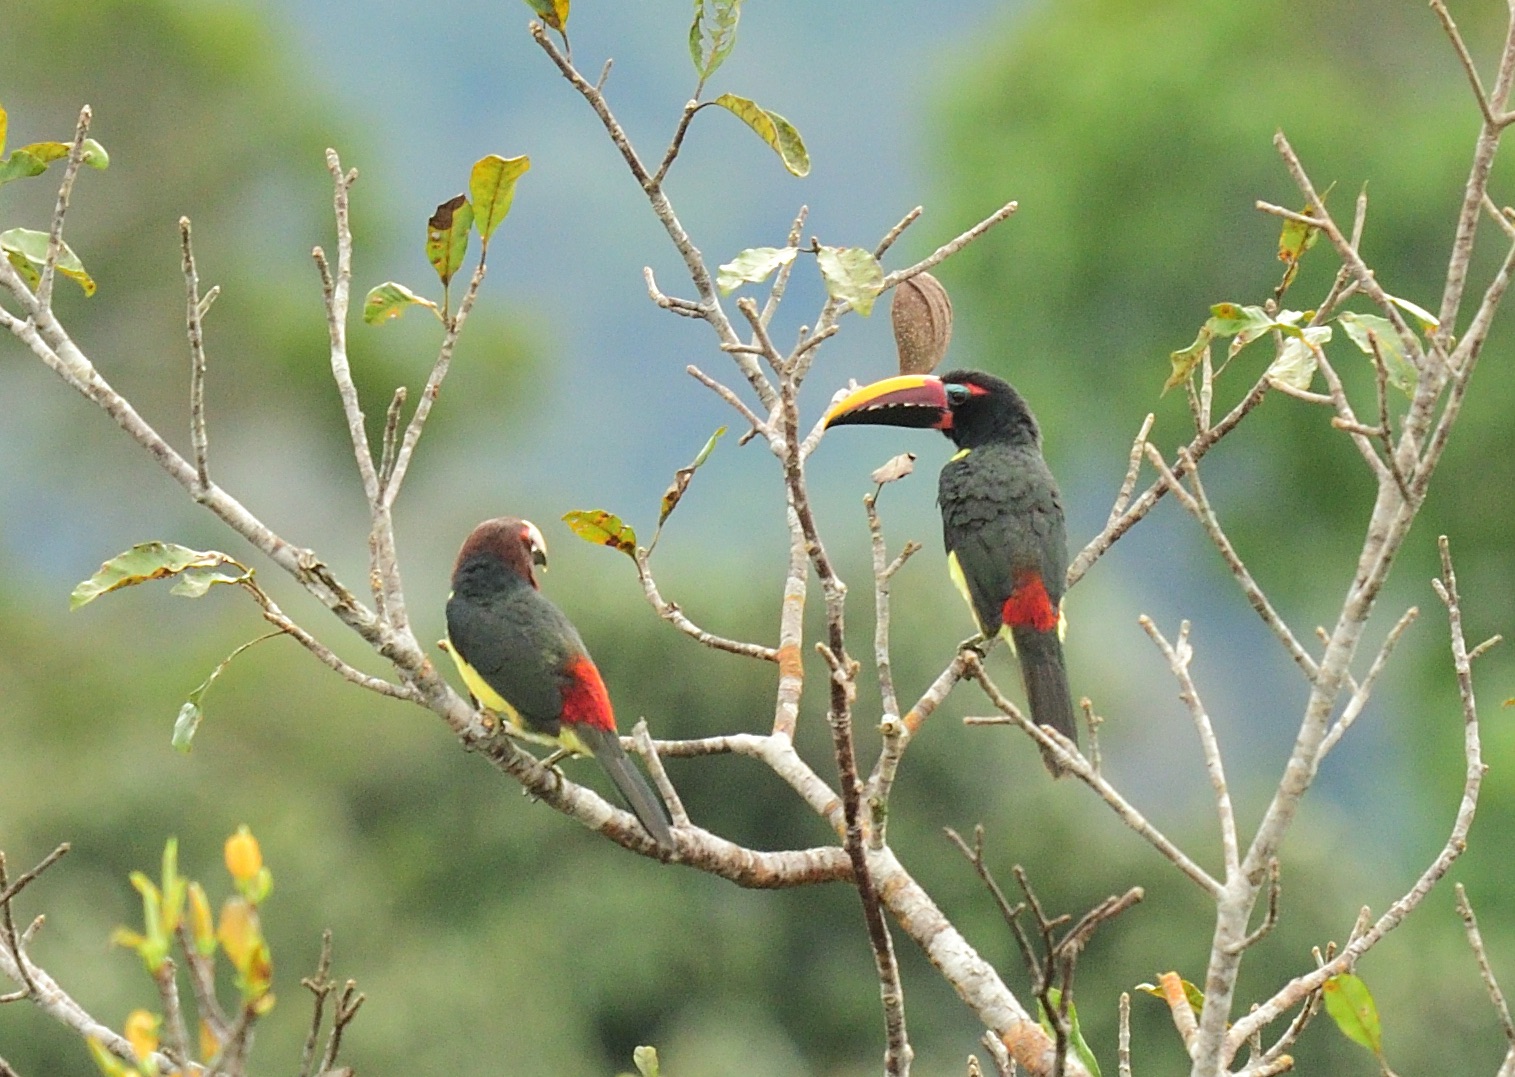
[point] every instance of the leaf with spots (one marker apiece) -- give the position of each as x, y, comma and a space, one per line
603, 529
681, 478
389, 300
773, 129
712, 35
853, 275
447, 236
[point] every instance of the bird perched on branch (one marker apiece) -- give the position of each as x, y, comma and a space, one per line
523, 659
1002, 517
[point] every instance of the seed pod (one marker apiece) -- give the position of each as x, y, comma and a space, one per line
922, 314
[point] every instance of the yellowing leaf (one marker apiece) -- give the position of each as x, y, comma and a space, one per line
1429, 323
851, 274
602, 528
27, 251
1351, 1006
492, 187
752, 265
681, 478
389, 300
447, 236
150, 561
4, 126
773, 129
1186, 359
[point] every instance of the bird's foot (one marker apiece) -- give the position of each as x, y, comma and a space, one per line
978, 644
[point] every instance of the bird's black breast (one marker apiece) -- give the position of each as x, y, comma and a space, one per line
1002, 516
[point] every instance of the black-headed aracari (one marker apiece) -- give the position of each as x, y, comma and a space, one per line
523, 659
1002, 517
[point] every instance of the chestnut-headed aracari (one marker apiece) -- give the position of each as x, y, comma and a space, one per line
523, 659
1002, 517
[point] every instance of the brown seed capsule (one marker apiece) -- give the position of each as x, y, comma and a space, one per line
922, 314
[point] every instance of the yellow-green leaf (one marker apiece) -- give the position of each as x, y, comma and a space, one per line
27, 251
773, 129
492, 187
646, 1061
553, 12
1192, 994
751, 266
1429, 323
1351, 1006
20, 165
150, 561
1186, 359
447, 236
389, 300
4, 126
851, 274
602, 528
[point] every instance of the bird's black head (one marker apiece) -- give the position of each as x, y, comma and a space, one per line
986, 409
970, 407
501, 549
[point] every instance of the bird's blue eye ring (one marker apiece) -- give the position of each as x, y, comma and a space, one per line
958, 394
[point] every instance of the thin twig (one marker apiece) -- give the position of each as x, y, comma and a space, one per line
320, 985
60, 211
1361, 692
1179, 655
1481, 955
192, 315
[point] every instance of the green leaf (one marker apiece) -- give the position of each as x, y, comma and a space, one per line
1429, 323
681, 478
773, 129
447, 236
389, 300
712, 35
604, 529
193, 711
27, 251
1186, 359
1364, 329
1351, 1006
492, 187
95, 156
752, 265
553, 12
20, 165
1075, 1034
1298, 358
851, 274
149, 561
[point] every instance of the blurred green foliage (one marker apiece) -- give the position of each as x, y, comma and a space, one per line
490, 935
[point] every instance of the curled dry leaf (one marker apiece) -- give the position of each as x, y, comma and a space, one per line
922, 314
895, 468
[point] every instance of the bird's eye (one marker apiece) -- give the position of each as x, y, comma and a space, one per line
958, 394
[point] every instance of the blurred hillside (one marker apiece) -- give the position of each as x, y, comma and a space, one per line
490, 935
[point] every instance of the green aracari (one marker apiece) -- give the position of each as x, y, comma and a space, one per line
1002, 517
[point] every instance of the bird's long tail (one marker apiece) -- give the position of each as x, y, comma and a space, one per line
1046, 680
640, 798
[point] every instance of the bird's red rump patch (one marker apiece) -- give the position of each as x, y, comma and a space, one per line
585, 701
1029, 606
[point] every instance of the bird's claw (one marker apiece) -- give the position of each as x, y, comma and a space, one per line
978, 644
